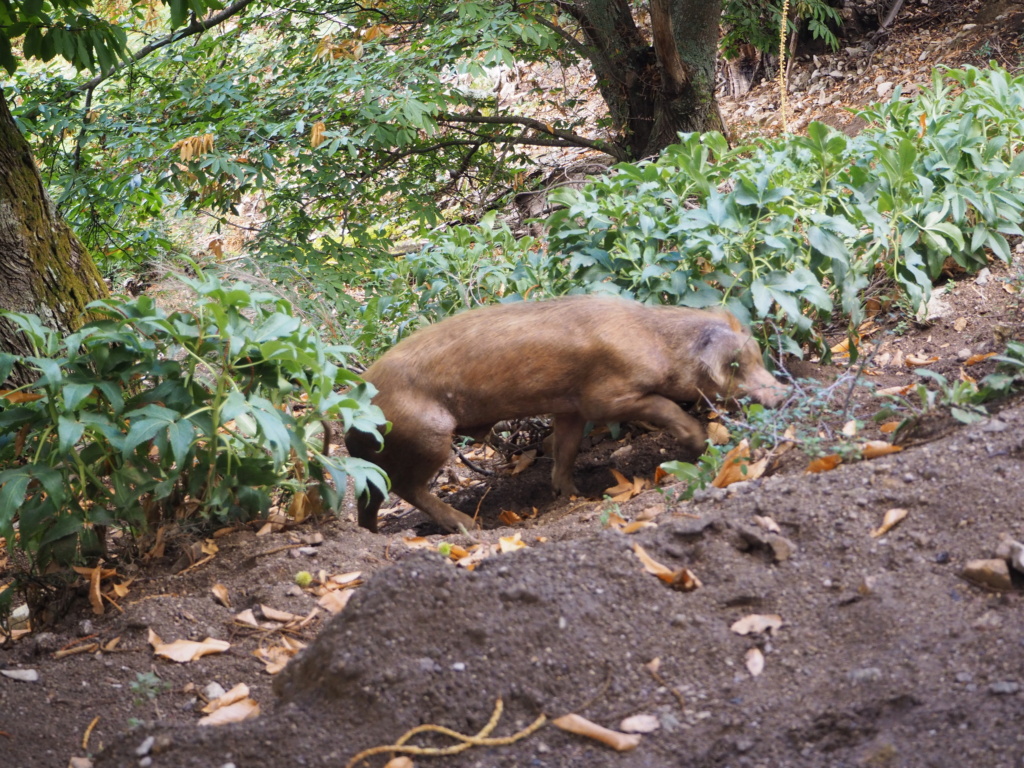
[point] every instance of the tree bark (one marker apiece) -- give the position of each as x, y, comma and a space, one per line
658, 85
44, 268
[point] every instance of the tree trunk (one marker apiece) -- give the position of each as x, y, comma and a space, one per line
659, 85
44, 268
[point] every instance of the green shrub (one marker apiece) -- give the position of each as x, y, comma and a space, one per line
142, 415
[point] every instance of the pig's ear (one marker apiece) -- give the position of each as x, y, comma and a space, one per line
717, 352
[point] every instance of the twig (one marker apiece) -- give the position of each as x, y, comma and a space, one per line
481, 739
471, 465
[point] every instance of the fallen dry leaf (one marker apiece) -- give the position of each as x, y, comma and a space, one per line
850, 428
754, 660
247, 617
872, 449
335, 602
737, 467
889, 426
277, 657
683, 579
418, 542
508, 517
975, 359
525, 461
183, 651
717, 433
272, 614
16, 398
402, 761
890, 391
916, 361
825, 463
890, 520
511, 543
757, 623
220, 594
621, 742
638, 525
232, 713
239, 692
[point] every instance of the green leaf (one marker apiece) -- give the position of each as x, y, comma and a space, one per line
69, 432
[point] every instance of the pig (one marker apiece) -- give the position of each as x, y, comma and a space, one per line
580, 358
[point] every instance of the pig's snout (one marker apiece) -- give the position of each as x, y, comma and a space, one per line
764, 388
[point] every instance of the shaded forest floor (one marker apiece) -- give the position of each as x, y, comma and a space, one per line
886, 654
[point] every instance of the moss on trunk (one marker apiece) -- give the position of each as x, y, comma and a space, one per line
44, 268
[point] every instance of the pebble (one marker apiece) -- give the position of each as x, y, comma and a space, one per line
145, 746
709, 494
1011, 551
212, 691
21, 675
994, 425
866, 675
989, 573
964, 354
1004, 688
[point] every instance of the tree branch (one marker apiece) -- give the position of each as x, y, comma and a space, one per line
564, 137
197, 27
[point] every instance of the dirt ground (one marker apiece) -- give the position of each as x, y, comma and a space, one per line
885, 656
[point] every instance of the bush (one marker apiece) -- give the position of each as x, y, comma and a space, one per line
142, 415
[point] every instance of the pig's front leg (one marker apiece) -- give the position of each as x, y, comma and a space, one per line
568, 432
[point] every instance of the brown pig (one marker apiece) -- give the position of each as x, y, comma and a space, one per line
580, 358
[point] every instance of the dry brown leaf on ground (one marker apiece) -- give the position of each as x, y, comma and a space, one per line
183, 651
335, 602
872, 449
718, 434
889, 426
277, 657
682, 579
272, 614
237, 693
525, 461
220, 594
890, 520
889, 391
621, 742
511, 543
767, 524
508, 517
245, 709
824, 463
247, 618
757, 623
975, 359
916, 361
737, 466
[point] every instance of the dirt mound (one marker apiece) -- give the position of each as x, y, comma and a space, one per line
886, 655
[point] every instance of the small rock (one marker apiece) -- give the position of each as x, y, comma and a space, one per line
983, 276
882, 89
936, 308
428, 665
964, 677
21, 675
313, 539
307, 551
964, 354
782, 548
1004, 688
294, 590
621, 453
709, 494
994, 425
865, 675
145, 762
1012, 551
211, 691
988, 573
459, 666
145, 746
968, 27
80, 762
640, 724
86, 628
